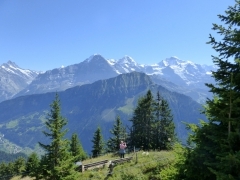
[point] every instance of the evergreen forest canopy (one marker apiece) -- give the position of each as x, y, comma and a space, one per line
213, 150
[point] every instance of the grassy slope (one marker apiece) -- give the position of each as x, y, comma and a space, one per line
142, 167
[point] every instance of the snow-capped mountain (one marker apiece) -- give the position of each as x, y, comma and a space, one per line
185, 74
13, 79
92, 69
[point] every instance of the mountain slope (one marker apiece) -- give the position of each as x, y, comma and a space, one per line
13, 79
185, 74
92, 69
90, 105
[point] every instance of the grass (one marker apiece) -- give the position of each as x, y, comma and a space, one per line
12, 124
142, 167
128, 108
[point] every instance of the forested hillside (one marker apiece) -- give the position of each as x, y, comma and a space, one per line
89, 106
6, 157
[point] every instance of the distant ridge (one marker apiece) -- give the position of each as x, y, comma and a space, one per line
189, 76
89, 106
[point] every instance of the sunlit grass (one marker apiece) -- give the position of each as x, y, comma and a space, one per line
142, 166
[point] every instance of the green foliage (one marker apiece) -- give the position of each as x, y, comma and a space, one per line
32, 166
164, 128
171, 171
152, 124
216, 150
98, 143
19, 165
142, 121
76, 149
57, 163
118, 133
8, 170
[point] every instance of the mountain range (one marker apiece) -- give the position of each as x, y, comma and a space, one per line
93, 93
174, 74
88, 106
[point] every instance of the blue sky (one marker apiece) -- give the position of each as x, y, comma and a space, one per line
46, 34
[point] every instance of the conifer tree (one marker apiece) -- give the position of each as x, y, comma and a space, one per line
57, 163
119, 133
224, 110
32, 166
19, 165
3, 169
76, 149
164, 128
142, 122
98, 143
216, 151
152, 124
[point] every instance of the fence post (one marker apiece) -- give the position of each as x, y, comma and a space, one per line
136, 158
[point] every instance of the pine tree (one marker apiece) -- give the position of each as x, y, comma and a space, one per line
164, 128
216, 151
57, 163
152, 124
19, 165
119, 133
76, 149
142, 123
224, 110
98, 143
32, 166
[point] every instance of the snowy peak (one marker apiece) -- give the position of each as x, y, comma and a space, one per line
94, 58
127, 60
14, 79
172, 61
12, 68
180, 66
10, 64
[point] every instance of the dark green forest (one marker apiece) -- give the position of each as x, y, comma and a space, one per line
213, 146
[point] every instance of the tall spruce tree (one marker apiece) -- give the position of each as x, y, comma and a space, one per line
224, 110
164, 128
216, 151
152, 124
98, 143
119, 133
57, 163
32, 166
142, 123
76, 149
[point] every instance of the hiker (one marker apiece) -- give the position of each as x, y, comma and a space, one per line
122, 149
